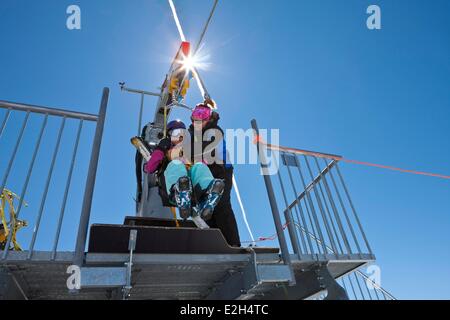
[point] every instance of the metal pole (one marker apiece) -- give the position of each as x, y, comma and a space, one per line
345, 287
66, 192
49, 111
336, 214
367, 287
353, 288
299, 205
352, 231
376, 286
140, 115
290, 222
123, 88
47, 185
13, 156
273, 202
354, 211
313, 211
5, 120
376, 293
90, 183
27, 180
321, 208
310, 185
202, 35
359, 286
326, 206
288, 212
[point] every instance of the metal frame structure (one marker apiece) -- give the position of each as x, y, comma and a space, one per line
298, 274
327, 244
90, 182
321, 220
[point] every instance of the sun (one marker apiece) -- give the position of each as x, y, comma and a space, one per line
189, 63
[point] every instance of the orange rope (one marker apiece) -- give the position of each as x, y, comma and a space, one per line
396, 169
177, 224
258, 139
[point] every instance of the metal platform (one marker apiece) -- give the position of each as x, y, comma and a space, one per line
154, 276
319, 232
169, 262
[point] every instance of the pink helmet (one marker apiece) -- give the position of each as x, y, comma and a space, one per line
201, 112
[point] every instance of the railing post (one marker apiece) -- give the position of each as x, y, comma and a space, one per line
273, 202
90, 182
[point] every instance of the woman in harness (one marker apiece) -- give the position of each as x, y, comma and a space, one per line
178, 177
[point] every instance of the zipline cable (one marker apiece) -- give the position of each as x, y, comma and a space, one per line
244, 215
177, 21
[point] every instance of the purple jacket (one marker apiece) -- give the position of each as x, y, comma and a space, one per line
152, 165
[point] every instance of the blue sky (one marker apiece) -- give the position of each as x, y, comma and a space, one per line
310, 68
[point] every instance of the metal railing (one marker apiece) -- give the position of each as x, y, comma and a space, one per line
359, 286
319, 214
45, 115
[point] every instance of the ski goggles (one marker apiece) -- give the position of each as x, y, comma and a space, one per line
201, 113
177, 135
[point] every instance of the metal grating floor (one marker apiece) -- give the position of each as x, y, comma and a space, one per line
155, 276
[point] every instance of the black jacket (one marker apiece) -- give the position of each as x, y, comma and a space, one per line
217, 170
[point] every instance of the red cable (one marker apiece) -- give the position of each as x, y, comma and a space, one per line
395, 169
273, 237
258, 139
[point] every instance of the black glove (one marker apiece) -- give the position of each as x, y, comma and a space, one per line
164, 145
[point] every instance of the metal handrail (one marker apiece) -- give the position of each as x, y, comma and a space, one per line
300, 151
49, 111
89, 188
310, 185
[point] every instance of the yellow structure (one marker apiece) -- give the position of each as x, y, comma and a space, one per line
13, 225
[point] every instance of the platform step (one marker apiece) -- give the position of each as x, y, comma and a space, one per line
162, 239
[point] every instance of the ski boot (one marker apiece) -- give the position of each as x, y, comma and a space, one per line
182, 195
213, 195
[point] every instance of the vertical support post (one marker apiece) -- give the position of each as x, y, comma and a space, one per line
359, 286
90, 182
291, 223
5, 120
336, 213
320, 240
66, 192
13, 156
354, 211
273, 203
298, 208
349, 223
320, 183
46, 188
367, 287
321, 206
141, 110
27, 180
353, 288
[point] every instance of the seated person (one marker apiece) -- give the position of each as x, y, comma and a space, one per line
190, 187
